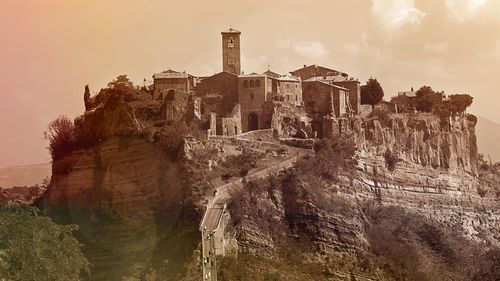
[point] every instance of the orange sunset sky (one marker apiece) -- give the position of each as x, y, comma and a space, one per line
50, 49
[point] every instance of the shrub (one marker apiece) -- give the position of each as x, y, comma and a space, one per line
482, 191
381, 115
61, 136
332, 155
391, 160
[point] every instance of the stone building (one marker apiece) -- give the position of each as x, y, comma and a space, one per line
286, 88
354, 87
231, 61
218, 93
170, 80
253, 92
323, 99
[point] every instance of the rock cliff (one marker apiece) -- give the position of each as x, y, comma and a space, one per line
418, 138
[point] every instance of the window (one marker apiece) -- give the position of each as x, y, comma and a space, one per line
252, 95
257, 83
245, 84
252, 83
230, 42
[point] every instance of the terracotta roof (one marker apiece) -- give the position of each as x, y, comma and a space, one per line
272, 74
170, 74
319, 66
288, 78
253, 74
315, 79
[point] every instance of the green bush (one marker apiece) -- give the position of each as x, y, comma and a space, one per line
61, 136
32, 247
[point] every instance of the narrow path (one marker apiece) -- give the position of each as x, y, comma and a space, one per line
212, 219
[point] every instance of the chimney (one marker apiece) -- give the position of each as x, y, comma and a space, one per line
305, 66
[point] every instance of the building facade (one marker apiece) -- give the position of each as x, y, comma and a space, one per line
252, 94
324, 99
166, 81
286, 88
218, 93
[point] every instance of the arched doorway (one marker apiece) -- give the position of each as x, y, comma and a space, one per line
253, 121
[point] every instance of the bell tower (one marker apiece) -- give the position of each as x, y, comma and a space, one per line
231, 51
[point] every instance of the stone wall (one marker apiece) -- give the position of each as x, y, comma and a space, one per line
231, 124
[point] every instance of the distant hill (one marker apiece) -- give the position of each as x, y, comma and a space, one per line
25, 175
488, 138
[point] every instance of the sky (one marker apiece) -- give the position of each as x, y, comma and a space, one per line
51, 49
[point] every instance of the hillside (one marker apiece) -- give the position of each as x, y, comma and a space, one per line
488, 136
138, 187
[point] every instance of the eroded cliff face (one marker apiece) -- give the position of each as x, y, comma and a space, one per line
420, 139
425, 215
127, 197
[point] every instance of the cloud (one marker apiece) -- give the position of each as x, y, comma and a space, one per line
393, 14
496, 50
463, 10
253, 64
352, 49
436, 47
309, 49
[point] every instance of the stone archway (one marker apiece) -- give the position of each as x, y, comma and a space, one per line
253, 121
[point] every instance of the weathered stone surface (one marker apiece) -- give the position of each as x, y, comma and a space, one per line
420, 139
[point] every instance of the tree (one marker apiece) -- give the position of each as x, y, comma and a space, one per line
61, 136
121, 82
371, 93
428, 99
86, 97
32, 247
460, 102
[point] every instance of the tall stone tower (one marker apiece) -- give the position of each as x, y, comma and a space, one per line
231, 51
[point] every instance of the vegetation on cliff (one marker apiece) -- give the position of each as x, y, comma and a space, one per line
32, 247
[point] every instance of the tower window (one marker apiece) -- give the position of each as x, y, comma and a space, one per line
245, 84
257, 83
252, 83
230, 42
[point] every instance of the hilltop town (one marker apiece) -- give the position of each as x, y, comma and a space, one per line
303, 176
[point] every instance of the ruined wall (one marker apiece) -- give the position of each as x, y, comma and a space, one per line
230, 125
